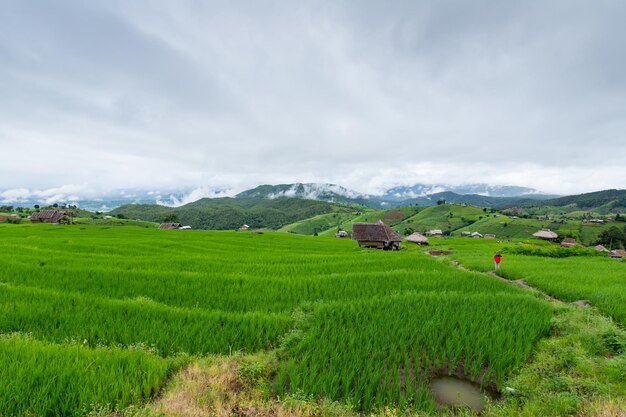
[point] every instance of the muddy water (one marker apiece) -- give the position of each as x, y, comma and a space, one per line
451, 391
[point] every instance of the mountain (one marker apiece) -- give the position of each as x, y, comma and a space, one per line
606, 201
422, 194
332, 193
229, 213
423, 190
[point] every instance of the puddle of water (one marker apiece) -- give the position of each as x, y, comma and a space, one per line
451, 391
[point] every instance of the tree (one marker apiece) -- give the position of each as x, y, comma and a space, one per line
170, 218
441, 201
612, 237
36, 206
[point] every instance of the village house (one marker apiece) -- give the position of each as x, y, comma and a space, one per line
46, 216
171, 226
490, 236
600, 248
244, 227
618, 253
341, 233
376, 235
568, 241
466, 233
435, 233
418, 238
545, 234
476, 235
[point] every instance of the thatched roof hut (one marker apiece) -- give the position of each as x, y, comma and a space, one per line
490, 236
476, 235
376, 235
618, 253
418, 238
435, 232
600, 248
545, 234
568, 241
170, 226
46, 216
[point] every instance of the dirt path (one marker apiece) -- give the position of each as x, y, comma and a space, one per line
523, 284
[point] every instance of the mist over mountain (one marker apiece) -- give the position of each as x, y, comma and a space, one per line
422, 194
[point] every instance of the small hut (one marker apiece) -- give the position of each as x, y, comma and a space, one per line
618, 253
341, 234
46, 216
418, 238
476, 235
490, 236
244, 227
435, 233
376, 235
568, 241
545, 234
600, 248
170, 226
466, 233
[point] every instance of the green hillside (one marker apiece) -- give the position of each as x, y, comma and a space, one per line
231, 213
447, 217
599, 202
391, 217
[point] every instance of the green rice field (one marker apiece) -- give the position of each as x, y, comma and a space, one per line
97, 315
569, 274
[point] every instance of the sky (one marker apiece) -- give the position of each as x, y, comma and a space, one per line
208, 95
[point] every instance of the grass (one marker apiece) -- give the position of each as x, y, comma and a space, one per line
46, 379
481, 336
201, 292
447, 217
588, 276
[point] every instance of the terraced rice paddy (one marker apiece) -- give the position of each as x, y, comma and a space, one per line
586, 276
116, 310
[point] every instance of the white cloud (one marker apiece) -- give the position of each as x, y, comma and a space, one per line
186, 94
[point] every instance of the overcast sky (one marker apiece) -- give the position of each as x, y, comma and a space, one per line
114, 94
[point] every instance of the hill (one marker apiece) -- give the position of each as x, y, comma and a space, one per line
421, 194
447, 217
600, 202
230, 213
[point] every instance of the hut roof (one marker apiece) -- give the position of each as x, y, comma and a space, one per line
476, 234
490, 236
545, 234
435, 232
417, 238
170, 226
568, 241
374, 232
52, 216
618, 253
600, 248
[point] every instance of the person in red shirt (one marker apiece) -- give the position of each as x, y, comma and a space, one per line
497, 258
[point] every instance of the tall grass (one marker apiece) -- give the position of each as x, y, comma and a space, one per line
65, 380
376, 315
383, 351
585, 275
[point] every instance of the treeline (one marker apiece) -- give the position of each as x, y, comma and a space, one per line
229, 213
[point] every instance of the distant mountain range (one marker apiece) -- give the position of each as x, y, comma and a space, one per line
422, 194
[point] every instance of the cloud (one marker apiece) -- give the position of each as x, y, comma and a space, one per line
166, 95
